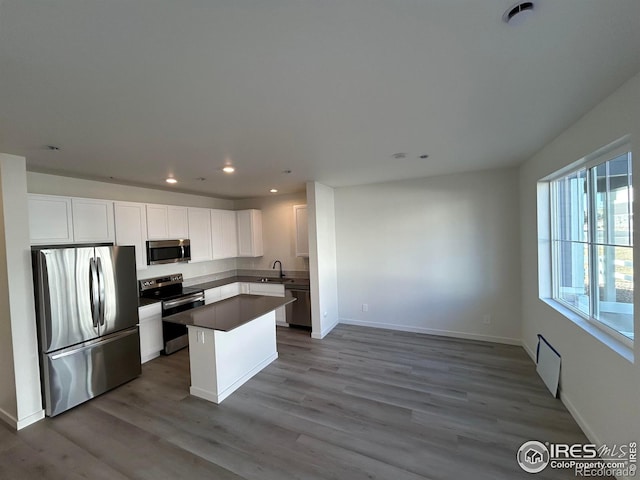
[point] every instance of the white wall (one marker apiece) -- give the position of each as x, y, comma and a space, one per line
322, 259
432, 255
20, 400
599, 386
278, 232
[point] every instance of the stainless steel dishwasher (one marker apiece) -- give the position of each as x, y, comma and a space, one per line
299, 312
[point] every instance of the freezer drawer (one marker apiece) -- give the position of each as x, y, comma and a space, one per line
74, 375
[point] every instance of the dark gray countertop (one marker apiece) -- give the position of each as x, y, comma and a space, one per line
288, 282
230, 313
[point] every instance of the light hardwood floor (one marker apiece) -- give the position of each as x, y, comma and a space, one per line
360, 404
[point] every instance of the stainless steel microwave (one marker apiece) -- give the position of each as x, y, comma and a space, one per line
168, 251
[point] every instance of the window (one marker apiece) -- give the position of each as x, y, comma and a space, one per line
592, 242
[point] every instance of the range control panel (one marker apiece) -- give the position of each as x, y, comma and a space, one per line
157, 282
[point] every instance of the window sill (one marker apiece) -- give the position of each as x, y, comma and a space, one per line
617, 346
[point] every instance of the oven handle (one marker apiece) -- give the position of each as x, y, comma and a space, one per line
195, 297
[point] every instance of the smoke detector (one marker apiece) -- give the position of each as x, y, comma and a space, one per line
518, 13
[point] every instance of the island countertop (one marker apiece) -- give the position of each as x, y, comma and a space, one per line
230, 313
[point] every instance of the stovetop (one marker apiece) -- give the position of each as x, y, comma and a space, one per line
170, 293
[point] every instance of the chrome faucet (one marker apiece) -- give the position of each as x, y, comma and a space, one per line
274, 266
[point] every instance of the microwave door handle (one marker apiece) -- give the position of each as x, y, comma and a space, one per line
101, 290
93, 292
182, 250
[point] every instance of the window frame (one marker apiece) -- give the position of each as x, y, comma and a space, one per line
601, 156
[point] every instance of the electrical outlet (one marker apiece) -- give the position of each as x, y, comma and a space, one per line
486, 319
365, 307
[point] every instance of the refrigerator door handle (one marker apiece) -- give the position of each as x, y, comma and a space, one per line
94, 292
101, 298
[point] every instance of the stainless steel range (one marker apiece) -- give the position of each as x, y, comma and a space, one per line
175, 298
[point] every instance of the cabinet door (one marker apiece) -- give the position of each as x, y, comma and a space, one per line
131, 229
223, 234
249, 233
230, 290
50, 219
157, 222
267, 289
217, 237
212, 295
92, 220
150, 331
230, 233
200, 234
178, 222
302, 230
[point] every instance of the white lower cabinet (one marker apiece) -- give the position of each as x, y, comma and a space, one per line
230, 290
150, 331
212, 295
271, 290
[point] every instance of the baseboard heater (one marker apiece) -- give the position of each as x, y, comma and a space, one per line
548, 362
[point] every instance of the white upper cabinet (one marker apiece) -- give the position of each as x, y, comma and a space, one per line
167, 222
224, 234
157, 222
302, 230
249, 233
131, 228
178, 222
200, 234
50, 219
92, 220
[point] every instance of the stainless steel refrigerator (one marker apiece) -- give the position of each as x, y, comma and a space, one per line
87, 315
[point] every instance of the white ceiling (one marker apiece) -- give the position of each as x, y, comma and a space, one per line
330, 89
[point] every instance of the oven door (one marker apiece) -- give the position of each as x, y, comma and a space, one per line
168, 251
175, 336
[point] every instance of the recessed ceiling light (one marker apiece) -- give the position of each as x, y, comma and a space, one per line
171, 180
274, 190
228, 169
521, 10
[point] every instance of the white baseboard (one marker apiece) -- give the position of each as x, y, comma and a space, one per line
593, 438
9, 419
20, 424
33, 418
325, 331
148, 358
566, 401
433, 331
529, 352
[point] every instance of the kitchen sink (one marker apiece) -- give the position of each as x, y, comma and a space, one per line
275, 280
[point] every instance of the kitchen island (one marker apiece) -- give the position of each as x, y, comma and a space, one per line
229, 342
